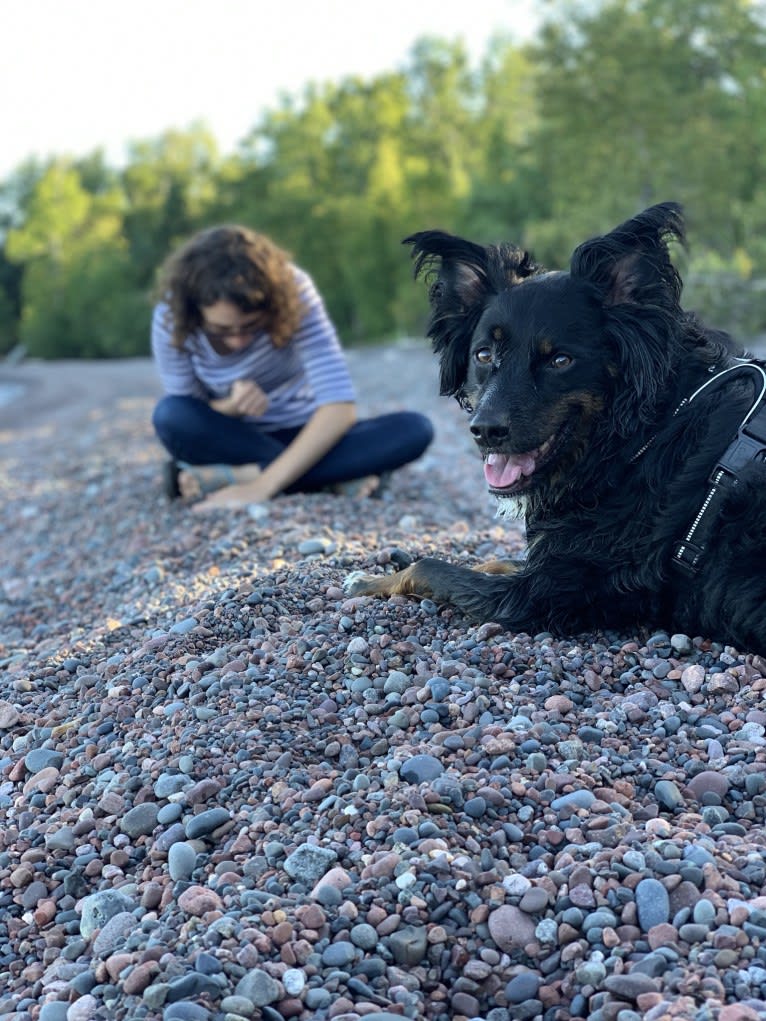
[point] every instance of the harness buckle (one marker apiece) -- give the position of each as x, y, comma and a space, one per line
687, 556
741, 451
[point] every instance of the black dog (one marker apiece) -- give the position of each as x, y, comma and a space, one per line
632, 437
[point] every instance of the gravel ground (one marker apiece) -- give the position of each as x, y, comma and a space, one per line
229, 792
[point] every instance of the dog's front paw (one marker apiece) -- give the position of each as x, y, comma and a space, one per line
399, 583
359, 584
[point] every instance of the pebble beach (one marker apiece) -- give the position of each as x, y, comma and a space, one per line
228, 791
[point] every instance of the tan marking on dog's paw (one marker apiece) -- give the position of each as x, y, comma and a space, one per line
357, 583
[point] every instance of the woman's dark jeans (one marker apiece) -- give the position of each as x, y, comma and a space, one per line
191, 431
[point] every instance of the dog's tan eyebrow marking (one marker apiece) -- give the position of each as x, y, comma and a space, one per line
497, 333
545, 347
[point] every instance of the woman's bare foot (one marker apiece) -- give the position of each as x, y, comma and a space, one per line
238, 496
199, 480
368, 485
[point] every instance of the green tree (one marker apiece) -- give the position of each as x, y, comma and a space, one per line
507, 191
341, 174
616, 104
170, 184
641, 100
78, 298
15, 195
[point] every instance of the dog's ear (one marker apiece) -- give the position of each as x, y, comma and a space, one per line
631, 265
640, 291
462, 277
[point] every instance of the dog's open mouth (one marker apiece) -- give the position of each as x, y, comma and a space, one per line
509, 474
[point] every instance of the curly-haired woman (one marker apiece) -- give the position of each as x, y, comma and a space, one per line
256, 385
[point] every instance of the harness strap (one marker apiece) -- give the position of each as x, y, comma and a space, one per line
748, 445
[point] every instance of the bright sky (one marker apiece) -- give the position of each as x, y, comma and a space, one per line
77, 75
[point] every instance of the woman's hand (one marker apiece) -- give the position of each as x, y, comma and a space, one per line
245, 398
322, 431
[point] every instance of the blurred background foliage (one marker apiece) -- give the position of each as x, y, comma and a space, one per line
613, 106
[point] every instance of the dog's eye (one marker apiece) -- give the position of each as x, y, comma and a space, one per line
483, 355
560, 361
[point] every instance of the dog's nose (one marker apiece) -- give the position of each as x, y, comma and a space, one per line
488, 433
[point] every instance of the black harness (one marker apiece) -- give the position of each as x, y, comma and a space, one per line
748, 445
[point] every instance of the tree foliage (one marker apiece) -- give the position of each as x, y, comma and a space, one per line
614, 105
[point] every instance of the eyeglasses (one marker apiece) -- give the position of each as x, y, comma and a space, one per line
245, 330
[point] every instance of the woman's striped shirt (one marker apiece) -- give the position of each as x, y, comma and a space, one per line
310, 370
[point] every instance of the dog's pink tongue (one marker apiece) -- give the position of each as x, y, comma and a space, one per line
502, 470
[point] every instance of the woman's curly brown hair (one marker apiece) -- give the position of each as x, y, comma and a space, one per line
235, 264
